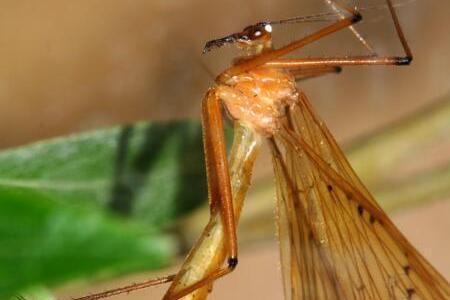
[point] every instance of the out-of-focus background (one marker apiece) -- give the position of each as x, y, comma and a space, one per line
72, 66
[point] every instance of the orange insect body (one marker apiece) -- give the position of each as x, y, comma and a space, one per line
258, 98
335, 240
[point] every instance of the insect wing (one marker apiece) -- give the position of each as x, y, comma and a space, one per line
336, 242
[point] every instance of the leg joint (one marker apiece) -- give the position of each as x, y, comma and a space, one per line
356, 17
232, 263
403, 61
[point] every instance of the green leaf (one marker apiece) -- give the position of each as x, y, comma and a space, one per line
34, 293
151, 171
96, 203
43, 241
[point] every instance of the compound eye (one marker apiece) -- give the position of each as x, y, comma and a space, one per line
260, 30
268, 28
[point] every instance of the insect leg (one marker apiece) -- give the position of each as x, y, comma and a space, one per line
219, 186
219, 189
128, 288
356, 60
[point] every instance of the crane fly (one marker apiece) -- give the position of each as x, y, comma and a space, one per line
336, 242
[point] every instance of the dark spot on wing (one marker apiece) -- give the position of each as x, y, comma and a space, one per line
372, 219
410, 292
407, 269
330, 188
360, 210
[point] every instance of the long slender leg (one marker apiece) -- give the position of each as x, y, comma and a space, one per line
219, 188
128, 288
356, 60
292, 64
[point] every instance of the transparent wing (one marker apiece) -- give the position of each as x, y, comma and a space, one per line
336, 242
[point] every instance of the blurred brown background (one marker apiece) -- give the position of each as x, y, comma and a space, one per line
69, 66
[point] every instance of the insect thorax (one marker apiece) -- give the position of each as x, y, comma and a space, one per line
259, 98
